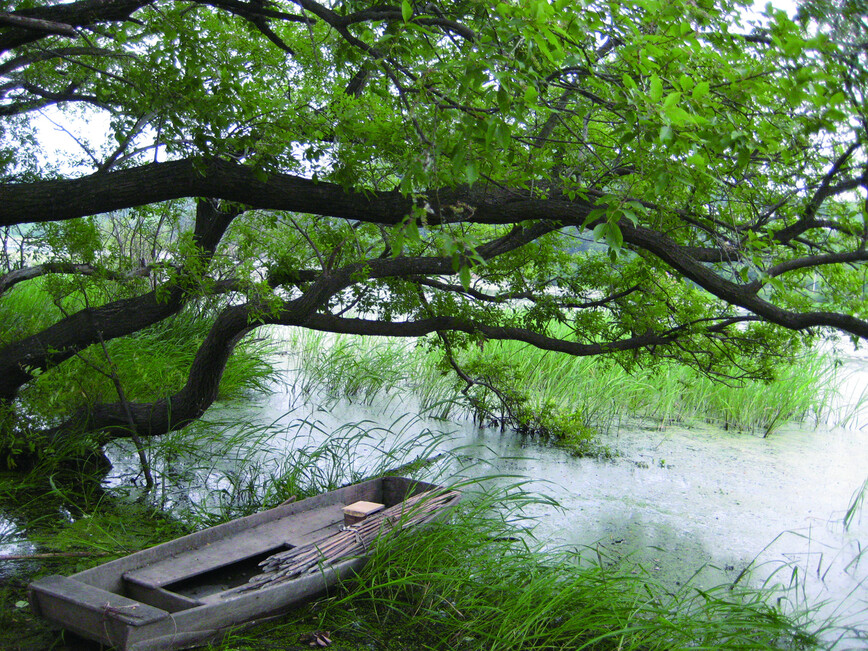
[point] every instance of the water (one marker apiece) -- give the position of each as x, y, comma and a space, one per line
730, 506
726, 506
678, 500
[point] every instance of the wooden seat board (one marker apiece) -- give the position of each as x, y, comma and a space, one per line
291, 531
74, 596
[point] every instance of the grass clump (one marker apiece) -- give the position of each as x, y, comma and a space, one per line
215, 470
476, 583
373, 369
565, 400
571, 399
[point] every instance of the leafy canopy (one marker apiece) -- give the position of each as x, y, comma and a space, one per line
671, 179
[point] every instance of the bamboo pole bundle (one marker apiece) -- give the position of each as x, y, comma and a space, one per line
351, 541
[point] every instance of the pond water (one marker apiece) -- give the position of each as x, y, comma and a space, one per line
676, 501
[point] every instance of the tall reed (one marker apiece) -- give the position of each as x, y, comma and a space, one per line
601, 393
477, 581
458, 584
368, 369
216, 470
570, 399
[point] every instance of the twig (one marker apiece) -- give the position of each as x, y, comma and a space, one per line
140, 448
113, 376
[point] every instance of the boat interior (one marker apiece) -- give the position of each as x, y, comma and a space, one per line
200, 575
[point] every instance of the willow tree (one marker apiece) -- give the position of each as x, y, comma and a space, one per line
661, 179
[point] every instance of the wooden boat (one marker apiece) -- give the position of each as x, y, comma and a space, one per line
185, 592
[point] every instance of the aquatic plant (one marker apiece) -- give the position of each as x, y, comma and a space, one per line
216, 470
601, 394
568, 400
478, 581
857, 503
371, 369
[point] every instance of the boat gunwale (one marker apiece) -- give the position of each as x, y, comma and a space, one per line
210, 616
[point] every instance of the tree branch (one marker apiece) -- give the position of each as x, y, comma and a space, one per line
37, 25
59, 342
73, 14
9, 280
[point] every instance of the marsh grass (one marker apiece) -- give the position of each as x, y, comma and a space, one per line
25, 309
203, 479
458, 582
477, 581
372, 369
568, 400
603, 393
857, 503
151, 363
73, 518
217, 470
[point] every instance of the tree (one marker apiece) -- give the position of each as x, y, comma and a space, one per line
659, 180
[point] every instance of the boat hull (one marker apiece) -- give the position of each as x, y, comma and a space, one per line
189, 590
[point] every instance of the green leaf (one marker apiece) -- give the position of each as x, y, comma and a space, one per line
503, 99
630, 215
656, 90
531, 94
397, 242
464, 276
406, 10
543, 47
471, 172
614, 237
600, 231
697, 160
671, 100
501, 134
677, 115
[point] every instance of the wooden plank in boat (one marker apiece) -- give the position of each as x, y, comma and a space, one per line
160, 598
358, 511
288, 531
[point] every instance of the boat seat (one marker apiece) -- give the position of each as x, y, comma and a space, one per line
268, 537
101, 604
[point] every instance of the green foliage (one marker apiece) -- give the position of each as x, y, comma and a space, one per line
152, 363
568, 398
651, 182
25, 310
568, 401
